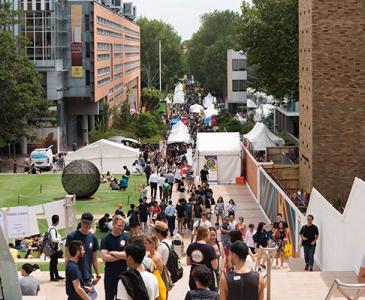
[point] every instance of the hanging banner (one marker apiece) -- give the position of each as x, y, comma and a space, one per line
17, 220
211, 162
76, 43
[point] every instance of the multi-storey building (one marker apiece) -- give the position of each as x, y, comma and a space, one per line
236, 80
88, 54
332, 95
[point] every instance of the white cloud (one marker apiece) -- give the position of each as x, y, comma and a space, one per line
184, 15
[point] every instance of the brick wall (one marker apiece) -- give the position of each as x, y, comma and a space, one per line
332, 95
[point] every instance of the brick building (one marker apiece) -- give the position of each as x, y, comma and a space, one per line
332, 95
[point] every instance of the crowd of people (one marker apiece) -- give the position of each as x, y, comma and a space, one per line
142, 247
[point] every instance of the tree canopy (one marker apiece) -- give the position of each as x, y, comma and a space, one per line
207, 49
21, 92
151, 32
150, 98
269, 35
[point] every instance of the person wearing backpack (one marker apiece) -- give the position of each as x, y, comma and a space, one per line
169, 256
55, 239
166, 187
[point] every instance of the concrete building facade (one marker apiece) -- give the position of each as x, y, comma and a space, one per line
236, 80
332, 95
88, 54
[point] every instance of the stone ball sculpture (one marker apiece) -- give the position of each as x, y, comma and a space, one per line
82, 178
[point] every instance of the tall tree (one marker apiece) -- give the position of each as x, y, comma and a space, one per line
151, 32
269, 35
21, 92
207, 49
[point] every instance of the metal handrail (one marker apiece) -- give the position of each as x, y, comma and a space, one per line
341, 286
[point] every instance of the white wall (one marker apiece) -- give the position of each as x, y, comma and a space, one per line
341, 243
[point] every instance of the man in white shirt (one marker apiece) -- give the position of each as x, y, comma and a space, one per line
153, 182
136, 282
161, 181
161, 231
249, 237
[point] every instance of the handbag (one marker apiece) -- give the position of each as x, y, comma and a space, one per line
161, 285
288, 249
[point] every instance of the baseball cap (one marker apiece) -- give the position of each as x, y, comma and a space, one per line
87, 217
161, 226
239, 248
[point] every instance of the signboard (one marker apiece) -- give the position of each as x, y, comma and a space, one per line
76, 42
211, 162
55, 208
17, 219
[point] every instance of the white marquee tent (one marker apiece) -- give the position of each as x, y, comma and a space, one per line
209, 101
261, 137
196, 109
179, 134
179, 97
251, 103
210, 111
239, 118
106, 156
223, 147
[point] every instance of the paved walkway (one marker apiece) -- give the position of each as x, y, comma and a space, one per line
290, 283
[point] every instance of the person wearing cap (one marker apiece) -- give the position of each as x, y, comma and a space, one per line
91, 246
242, 283
161, 230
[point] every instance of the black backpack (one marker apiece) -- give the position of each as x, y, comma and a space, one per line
133, 219
174, 265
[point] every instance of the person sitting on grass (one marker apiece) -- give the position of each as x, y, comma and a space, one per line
123, 184
103, 223
202, 276
114, 184
28, 284
14, 252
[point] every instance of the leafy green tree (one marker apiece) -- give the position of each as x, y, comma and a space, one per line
150, 98
207, 49
171, 52
269, 35
21, 92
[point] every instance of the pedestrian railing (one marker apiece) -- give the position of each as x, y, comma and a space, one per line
350, 291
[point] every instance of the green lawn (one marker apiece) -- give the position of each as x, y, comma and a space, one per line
20, 189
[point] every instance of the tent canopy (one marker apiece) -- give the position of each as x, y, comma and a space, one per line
222, 148
261, 137
106, 156
251, 103
196, 109
179, 134
240, 119
218, 143
211, 111
209, 101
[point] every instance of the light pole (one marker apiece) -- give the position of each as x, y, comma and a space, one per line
159, 61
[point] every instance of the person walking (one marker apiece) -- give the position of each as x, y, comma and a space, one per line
161, 231
280, 238
148, 171
249, 238
166, 188
203, 278
170, 180
309, 234
55, 239
75, 288
170, 213
242, 283
90, 245
260, 238
153, 182
201, 253
112, 247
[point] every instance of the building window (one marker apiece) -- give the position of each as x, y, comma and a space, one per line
131, 63
108, 23
103, 56
87, 22
131, 70
118, 67
131, 38
129, 47
87, 50
103, 46
87, 77
238, 65
103, 71
118, 47
109, 33
131, 54
238, 85
104, 81
118, 55
130, 31
119, 75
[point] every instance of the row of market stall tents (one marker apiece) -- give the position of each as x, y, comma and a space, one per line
179, 134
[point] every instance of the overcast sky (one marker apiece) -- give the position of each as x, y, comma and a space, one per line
184, 15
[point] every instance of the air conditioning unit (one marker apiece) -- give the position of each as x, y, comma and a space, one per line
135, 12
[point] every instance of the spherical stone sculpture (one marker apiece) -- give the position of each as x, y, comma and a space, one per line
82, 178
